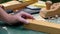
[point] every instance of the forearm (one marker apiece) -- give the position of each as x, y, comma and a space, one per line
3, 14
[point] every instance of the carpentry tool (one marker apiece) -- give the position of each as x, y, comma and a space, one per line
44, 12
50, 10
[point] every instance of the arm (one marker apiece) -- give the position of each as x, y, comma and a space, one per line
12, 19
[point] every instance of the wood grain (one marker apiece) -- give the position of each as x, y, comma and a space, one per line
44, 26
16, 5
48, 4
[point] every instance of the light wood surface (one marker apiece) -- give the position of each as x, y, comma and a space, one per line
16, 5
55, 10
48, 5
44, 26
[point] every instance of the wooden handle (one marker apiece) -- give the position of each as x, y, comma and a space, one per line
48, 4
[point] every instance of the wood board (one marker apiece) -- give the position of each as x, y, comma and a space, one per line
16, 5
44, 26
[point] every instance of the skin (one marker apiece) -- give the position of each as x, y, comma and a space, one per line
12, 19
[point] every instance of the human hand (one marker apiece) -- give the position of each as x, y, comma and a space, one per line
19, 17
12, 19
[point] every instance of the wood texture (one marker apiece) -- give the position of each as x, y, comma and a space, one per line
48, 5
11, 5
16, 5
55, 10
44, 26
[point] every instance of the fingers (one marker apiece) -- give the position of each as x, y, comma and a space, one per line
26, 15
23, 20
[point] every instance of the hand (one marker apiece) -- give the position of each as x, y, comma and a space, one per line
19, 17
12, 19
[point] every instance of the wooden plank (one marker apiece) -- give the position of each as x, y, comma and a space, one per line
44, 26
16, 5
11, 5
